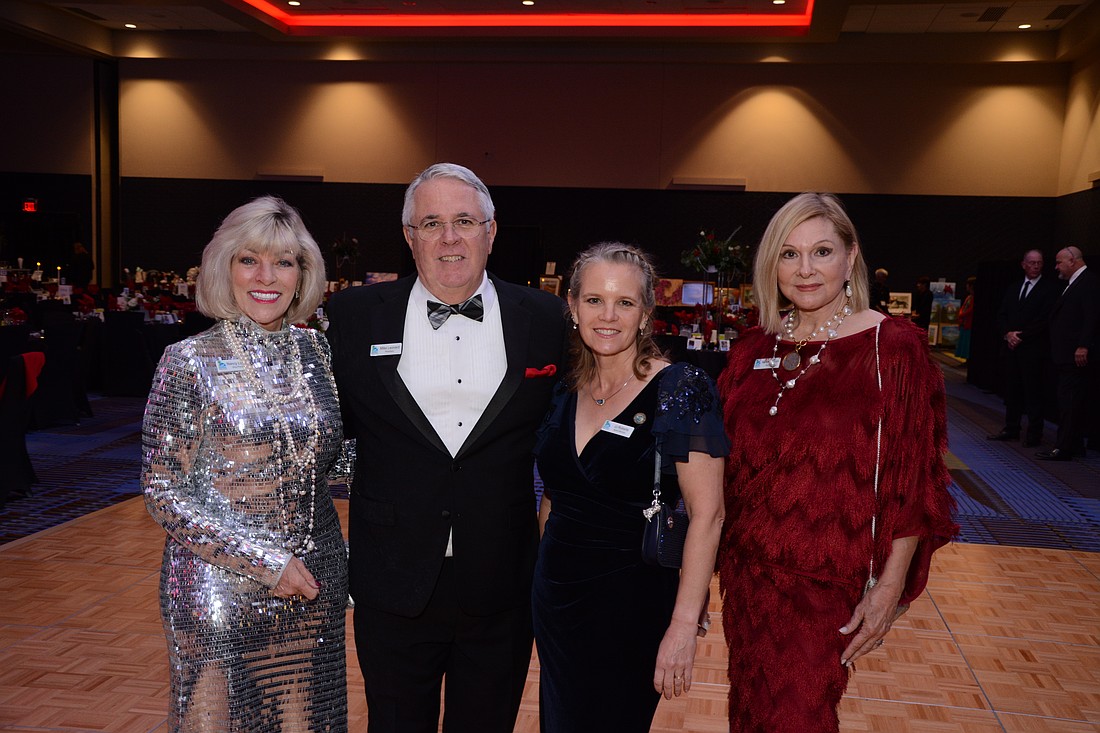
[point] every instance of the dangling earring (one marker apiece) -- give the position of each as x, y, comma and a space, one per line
848, 288
574, 321
297, 294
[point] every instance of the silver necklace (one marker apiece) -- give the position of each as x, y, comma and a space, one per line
830, 329
304, 456
605, 399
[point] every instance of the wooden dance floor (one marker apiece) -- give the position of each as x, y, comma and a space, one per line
1004, 639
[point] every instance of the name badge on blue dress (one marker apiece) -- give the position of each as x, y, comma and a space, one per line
617, 428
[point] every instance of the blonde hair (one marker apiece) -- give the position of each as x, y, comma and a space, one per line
265, 225
765, 270
583, 361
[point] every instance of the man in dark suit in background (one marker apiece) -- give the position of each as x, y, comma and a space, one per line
1074, 332
444, 378
880, 291
1022, 324
922, 303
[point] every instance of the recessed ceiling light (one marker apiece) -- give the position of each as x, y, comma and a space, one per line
1024, 26
528, 2
295, 3
779, 2
130, 25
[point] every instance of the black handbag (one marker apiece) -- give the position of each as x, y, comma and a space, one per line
665, 529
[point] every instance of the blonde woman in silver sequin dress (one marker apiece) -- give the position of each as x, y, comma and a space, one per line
241, 427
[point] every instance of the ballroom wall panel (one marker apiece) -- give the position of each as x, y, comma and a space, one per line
167, 222
1080, 154
948, 165
899, 129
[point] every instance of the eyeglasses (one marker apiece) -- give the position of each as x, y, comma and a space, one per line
433, 228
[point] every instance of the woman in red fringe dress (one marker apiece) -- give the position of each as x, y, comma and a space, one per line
836, 489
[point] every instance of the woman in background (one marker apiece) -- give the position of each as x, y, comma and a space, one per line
966, 321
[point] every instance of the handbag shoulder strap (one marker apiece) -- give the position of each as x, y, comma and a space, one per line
650, 511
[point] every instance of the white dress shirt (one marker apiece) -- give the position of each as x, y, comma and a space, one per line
1029, 290
1074, 277
452, 372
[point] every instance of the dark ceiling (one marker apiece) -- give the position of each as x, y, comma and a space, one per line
182, 28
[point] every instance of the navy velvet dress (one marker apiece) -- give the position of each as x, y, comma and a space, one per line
599, 611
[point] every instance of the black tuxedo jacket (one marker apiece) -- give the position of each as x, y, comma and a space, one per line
1029, 316
409, 492
1074, 319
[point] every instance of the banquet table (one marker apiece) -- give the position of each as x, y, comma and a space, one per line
131, 349
711, 362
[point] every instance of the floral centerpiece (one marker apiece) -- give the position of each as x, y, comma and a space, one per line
727, 261
719, 256
13, 317
346, 252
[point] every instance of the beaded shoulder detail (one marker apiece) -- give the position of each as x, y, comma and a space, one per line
685, 393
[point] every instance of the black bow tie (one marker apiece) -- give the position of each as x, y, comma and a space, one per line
438, 313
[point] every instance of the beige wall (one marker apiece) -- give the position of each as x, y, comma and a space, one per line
1009, 129
1080, 152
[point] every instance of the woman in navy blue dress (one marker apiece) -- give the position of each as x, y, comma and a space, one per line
614, 633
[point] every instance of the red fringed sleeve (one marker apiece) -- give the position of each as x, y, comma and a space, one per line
914, 500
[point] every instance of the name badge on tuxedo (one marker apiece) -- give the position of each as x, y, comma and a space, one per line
385, 349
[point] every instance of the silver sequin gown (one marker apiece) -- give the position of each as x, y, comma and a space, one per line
241, 658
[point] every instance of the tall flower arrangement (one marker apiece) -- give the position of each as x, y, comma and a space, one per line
710, 254
726, 261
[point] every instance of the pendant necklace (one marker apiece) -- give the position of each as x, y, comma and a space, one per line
302, 455
829, 328
605, 399
793, 360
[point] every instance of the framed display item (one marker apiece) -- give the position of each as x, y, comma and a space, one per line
900, 304
551, 284
668, 292
696, 293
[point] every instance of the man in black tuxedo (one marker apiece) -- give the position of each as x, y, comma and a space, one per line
1022, 323
444, 379
1074, 333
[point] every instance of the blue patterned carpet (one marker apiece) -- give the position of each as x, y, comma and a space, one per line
1004, 495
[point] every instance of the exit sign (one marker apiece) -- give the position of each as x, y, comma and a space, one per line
30, 206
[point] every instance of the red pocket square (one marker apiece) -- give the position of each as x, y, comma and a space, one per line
547, 371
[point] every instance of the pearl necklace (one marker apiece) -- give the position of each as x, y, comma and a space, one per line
829, 328
304, 456
605, 399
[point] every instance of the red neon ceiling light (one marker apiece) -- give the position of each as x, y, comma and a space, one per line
537, 20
